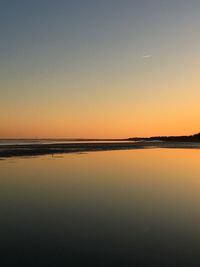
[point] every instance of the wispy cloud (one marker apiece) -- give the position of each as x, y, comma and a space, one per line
147, 56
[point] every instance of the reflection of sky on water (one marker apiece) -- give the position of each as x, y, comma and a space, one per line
55, 141
102, 207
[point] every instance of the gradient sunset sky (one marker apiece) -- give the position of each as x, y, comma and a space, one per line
97, 69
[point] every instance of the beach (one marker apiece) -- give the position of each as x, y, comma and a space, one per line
17, 150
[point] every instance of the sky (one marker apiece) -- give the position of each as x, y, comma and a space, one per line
99, 69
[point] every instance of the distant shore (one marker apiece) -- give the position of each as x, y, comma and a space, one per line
21, 150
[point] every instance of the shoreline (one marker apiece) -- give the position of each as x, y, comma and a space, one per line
7, 151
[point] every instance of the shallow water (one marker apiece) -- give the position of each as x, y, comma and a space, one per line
115, 208
55, 141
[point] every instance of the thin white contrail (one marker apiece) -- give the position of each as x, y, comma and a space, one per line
147, 56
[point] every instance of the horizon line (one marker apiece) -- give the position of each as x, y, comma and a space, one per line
88, 139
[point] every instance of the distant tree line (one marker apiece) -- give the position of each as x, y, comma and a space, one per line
184, 138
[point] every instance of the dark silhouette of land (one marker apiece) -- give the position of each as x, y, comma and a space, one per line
76, 146
186, 138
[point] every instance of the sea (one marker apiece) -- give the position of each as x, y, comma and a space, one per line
110, 208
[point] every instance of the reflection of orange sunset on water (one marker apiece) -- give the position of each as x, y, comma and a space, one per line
164, 174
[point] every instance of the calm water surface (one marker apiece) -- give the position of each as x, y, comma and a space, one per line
121, 208
56, 141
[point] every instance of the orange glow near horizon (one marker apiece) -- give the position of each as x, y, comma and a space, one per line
118, 118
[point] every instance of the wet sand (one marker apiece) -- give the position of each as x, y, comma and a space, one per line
45, 149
